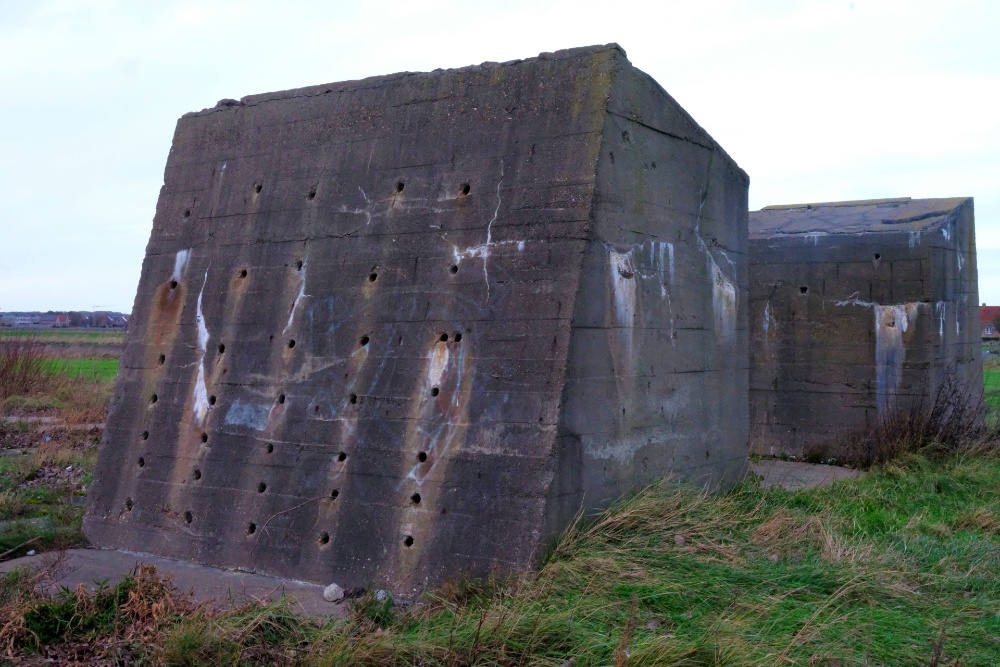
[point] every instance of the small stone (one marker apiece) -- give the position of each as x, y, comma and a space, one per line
31, 553
652, 625
774, 558
333, 593
381, 595
569, 663
679, 540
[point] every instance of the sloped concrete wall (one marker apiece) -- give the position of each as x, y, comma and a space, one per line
362, 305
857, 309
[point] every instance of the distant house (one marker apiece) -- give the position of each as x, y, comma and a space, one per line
55, 320
16, 320
988, 316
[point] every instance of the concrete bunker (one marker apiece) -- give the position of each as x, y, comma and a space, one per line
857, 309
405, 327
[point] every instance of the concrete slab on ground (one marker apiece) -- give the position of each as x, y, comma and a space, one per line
73, 567
794, 475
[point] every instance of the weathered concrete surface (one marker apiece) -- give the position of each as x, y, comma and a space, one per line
795, 475
87, 567
857, 309
395, 329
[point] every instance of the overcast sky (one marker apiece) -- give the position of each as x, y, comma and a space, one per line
817, 101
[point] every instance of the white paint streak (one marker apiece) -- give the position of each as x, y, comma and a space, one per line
941, 310
946, 233
914, 240
438, 362
624, 293
301, 295
200, 403
180, 263
723, 302
891, 322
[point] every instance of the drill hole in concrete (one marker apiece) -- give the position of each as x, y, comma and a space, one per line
187, 213
291, 344
188, 517
251, 528
324, 538
372, 277
363, 341
415, 498
154, 398
334, 494
162, 359
422, 456
465, 189
262, 487
315, 409
435, 391
458, 337
298, 265
803, 290
877, 257
341, 457
443, 338
454, 269
211, 400
243, 273
141, 462
354, 399
128, 504
196, 474
204, 437
312, 193
257, 188
399, 186
145, 435
408, 541
173, 284
281, 399
222, 348
269, 448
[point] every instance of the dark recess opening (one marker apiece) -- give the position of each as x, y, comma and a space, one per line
422, 456
142, 462
399, 186
269, 448
163, 358
803, 289
257, 188
291, 343
145, 435
415, 498
154, 398
211, 400
128, 504
454, 268
187, 213
334, 494
364, 340
466, 188
298, 265
204, 437
372, 277
251, 528
877, 257
196, 474
243, 273
342, 457
222, 348
188, 517
444, 338
408, 541
262, 487
435, 391
458, 337
354, 398
281, 398
324, 538
173, 284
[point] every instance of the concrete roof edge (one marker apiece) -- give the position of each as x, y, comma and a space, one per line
373, 81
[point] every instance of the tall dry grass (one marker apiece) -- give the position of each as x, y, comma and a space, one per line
21, 369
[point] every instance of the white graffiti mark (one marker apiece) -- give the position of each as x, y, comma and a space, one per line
483, 250
914, 240
301, 295
180, 263
891, 322
252, 415
941, 310
200, 405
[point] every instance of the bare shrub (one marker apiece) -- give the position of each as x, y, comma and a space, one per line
952, 423
21, 369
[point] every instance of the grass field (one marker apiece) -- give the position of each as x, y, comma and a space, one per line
94, 369
991, 380
99, 336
